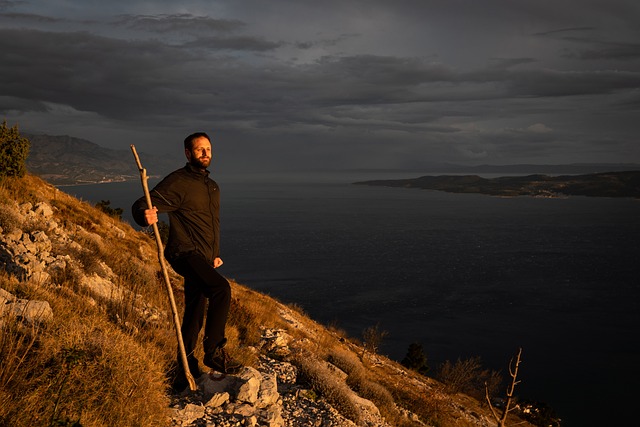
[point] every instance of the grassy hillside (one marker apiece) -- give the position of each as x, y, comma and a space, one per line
103, 357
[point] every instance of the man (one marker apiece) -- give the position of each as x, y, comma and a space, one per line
192, 201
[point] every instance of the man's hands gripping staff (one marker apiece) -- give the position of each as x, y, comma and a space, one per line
151, 217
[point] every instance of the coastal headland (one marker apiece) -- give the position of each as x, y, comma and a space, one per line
607, 184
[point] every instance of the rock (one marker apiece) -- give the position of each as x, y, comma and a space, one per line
25, 208
5, 297
30, 311
250, 385
188, 414
239, 408
217, 400
272, 416
276, 341
268, 394
14, 235
41, 277
101, 287
211, 385
44, 210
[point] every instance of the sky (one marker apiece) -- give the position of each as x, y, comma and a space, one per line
331, 84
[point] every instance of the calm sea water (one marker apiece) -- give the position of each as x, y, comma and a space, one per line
464, 275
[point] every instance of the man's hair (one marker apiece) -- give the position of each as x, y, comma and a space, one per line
188, 141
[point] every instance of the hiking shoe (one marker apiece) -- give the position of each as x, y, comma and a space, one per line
220, 361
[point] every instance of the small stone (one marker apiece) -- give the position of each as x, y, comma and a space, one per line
217, 400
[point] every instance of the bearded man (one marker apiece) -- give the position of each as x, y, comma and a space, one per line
192, 201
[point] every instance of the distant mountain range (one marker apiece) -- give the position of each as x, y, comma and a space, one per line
64, 160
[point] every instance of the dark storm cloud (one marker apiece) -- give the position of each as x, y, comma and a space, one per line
324, 42
612, 51
383, 83
181, 23
12, 102
233, 43
598, 48
561, 31
504, 63
554, 83
90, 73
8, 4
29, 17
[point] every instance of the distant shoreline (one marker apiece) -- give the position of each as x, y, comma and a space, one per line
80, 183
606, 184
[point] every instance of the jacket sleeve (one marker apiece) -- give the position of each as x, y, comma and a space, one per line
137, 211
165, 196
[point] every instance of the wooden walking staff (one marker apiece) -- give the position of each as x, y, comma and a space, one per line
174, 310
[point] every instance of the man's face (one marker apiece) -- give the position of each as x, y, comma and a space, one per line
200, 154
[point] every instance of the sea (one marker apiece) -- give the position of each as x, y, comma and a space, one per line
463, 275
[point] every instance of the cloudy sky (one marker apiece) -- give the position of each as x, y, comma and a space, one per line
290, 84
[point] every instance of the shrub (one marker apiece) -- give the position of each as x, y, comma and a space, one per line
9, 218
317, 374
416, 359
344, 360
371, 390
373, 337
105, 206
14, 150
467, 376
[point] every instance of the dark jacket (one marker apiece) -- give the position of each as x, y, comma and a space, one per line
192, 200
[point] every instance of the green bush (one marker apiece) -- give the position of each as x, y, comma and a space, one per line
14, 150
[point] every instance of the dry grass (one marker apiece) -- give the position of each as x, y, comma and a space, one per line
94, 364
78, 368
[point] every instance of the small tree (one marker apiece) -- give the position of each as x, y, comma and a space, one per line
416, 359
14, 150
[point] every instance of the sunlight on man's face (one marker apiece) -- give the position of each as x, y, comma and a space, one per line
200, 153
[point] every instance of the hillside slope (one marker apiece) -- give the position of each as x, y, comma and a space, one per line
86, 340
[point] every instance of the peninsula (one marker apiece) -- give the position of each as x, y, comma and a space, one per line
608, 184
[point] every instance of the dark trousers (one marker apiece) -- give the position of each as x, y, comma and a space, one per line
201, 283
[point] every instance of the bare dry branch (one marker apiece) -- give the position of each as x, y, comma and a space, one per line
513, 372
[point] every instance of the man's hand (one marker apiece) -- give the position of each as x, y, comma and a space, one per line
151, 215
217, 262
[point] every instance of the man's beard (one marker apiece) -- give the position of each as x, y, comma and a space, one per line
200, 163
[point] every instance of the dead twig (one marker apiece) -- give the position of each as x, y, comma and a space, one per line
513, 372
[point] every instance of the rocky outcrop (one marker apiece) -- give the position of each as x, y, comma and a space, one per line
270, 395
27, 254
34, 246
